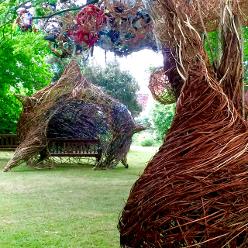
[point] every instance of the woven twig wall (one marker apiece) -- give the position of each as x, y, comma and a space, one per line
194, 193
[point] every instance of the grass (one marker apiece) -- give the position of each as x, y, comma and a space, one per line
65, 207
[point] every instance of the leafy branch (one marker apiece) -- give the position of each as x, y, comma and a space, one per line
66, 10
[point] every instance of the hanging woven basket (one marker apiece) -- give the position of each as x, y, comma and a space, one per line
161, 88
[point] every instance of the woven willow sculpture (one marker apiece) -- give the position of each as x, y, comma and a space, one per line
194, 192
73, 108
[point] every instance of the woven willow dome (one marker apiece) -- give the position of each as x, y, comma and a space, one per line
73, 108
194, 192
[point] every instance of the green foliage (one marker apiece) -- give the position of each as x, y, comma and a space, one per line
245, 43
245, 47
162, 118
119, 84
7, 13
23, 70
213, 46
143, 120
147, 142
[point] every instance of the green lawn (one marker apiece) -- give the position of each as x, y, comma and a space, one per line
64, 207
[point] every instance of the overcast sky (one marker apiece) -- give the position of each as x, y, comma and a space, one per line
137, 64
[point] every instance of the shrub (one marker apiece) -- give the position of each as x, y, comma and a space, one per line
147, 142
162, 117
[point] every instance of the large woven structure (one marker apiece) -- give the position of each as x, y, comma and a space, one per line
73, 108
194, 192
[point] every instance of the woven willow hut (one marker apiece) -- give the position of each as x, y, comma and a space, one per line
73, 108
194, 192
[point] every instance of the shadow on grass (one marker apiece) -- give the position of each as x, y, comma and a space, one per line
61, 167
24, 167
65, 167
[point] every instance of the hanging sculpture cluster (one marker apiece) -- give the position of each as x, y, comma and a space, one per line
89, 21
117, 26
128, 28
76, 34
194, 192
24, 20
73, 108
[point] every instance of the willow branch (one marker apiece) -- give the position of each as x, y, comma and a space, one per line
65, 10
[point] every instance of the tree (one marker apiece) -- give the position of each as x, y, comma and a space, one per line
162, 117
23, 69
119, 84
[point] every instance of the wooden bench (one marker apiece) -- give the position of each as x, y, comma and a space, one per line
8, 142
59, 147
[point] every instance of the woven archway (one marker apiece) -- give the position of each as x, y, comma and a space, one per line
73, 108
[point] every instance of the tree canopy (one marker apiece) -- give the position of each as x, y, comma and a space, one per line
23, 70
162, 116
119, 84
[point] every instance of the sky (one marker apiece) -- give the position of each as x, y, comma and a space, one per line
138, 64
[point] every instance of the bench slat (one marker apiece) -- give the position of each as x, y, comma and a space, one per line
73, 155
8, 142
7, 148
61, 147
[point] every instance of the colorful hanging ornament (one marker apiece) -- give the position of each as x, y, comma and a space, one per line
128, 26
89, 21
24, 19
91, 18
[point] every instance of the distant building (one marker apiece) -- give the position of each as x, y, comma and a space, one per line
142, 99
